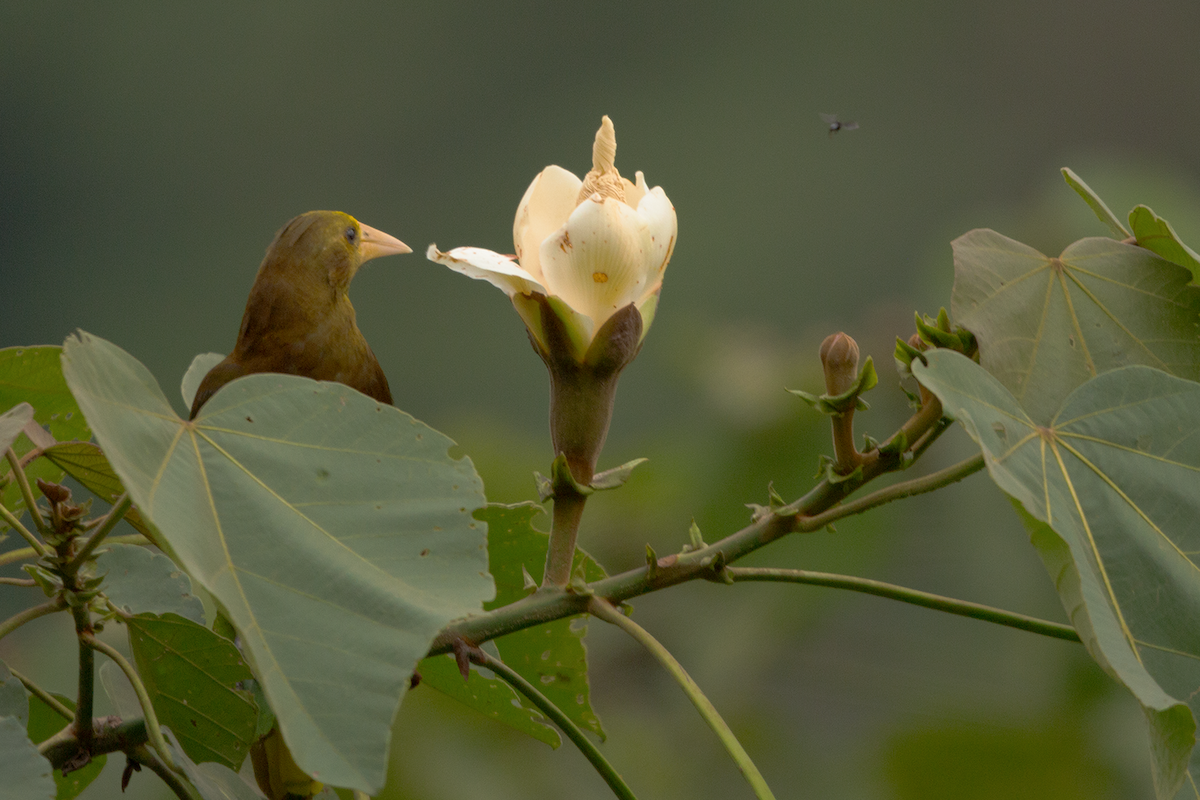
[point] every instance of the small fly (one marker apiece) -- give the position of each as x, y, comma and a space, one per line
836, 124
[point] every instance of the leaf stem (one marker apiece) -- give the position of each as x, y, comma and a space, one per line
601, 608
26, 553
55, 704
146, 757
937, 602
897, 491
585, 745
27, 494
120, 506
28, 615
13, 522
153, 730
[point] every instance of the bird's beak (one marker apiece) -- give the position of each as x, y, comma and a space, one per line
376, 243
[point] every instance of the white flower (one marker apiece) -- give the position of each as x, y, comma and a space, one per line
591, 247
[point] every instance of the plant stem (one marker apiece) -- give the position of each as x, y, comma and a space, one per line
564, 530
35, 544
27, 493
41, 694
585, 745
937, 602
28, 615
153, 730
898, 491
146, 757
602, 609
114, 516
84, 729
26, 553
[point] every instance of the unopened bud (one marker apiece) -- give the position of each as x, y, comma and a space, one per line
839, 357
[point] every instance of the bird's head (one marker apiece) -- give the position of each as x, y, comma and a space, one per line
328, 247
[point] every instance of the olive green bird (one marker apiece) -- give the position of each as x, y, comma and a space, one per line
299, 320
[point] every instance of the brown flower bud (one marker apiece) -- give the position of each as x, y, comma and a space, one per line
839, 357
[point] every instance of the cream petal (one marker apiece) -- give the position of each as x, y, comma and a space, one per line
476, 262
634, 191
597, 262
661, 227
547, 204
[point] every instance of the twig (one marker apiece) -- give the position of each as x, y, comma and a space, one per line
963, 608
28, 615
153, 730
602, 609
585, 745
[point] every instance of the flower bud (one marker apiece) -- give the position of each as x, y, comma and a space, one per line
839, 358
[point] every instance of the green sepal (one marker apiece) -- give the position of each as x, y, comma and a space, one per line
695, 539
849, 400
904, 355
561, 479
47, 580
651, 562
617, 476
1102, 211
825, 471
931, 332
545, 487
895, 446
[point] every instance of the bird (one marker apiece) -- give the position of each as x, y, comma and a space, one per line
298, 319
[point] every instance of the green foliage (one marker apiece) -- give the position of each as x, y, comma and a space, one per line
44, 722
1114, 475
551, 656
336, 534
491, 697
138, 581
342, 546
191, 674
1045, 325
33, 375
26, 773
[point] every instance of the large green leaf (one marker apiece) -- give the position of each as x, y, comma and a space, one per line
1112, 484
190, 673
551, 656
335, 532
26, 773
33, 375
138, 580
1045, 325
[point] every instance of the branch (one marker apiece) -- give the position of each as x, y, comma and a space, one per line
937, 602
27, 494
53, 702
26, 553
151, 719
601, 608
589, 750
28, 615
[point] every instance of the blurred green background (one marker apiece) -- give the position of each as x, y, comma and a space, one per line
149, 151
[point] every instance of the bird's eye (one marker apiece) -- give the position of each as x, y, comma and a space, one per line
351, 234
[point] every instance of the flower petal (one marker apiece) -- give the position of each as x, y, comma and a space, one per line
547, 204
658, 215
597, 262
476, 262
